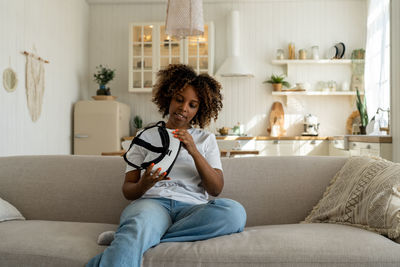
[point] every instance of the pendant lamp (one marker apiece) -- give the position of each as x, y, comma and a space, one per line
184, 18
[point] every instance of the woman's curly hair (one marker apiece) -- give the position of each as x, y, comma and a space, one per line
175, 78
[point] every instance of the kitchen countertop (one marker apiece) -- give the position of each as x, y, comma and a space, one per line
350, 138
364, 138
236, 137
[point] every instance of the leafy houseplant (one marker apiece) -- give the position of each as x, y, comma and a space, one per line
362, 109
103, 76
277, 82
137, 123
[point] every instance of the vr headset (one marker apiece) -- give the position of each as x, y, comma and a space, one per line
163, 148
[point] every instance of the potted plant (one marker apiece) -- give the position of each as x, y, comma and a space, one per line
137, 123
277, 82
362, 109
103, 76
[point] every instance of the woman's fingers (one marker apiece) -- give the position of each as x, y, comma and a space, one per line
149, 169
156, 174
163, 176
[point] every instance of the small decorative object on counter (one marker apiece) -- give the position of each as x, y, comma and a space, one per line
311, 125
315, 52
103, 76
277, 82
362, 109
277, 120
302, 54
223, 130
279, 54
238, 129
292, 51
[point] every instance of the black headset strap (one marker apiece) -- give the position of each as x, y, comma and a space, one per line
162, 150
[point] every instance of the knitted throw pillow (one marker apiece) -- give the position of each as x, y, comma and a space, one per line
8, 212
365, 193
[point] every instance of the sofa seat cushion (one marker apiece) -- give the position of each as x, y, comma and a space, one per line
282, 245
49, 243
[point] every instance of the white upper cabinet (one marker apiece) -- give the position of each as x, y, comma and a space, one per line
151, 49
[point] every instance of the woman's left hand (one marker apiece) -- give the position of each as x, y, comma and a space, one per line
186, 138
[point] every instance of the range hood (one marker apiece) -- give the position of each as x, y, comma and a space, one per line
234, 65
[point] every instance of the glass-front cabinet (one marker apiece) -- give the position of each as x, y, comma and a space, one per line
151, 49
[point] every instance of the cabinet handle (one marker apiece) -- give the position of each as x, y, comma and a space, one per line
81, 136
368, 146
275, 142
354, 144
313, 142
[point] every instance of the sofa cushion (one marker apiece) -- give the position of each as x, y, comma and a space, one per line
8, 212
49, 243
305, 245
364, 193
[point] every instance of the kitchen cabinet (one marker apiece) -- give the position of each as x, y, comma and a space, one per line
338, 148
278, 147
313, 148
151, 49
354, 148
321, 147
383, 150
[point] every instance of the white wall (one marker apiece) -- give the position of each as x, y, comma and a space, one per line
265, 26
59, 31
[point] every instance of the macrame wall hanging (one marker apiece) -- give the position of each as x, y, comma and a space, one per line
34, 83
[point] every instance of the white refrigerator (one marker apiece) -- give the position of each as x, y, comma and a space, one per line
99, 126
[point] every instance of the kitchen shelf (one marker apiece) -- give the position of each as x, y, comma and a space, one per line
337, 93
351, 94
314, 61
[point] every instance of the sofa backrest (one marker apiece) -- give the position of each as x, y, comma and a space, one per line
274, 190
281, 189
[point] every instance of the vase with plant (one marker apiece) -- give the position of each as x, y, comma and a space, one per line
103, 76
137, 123
362, 109
277, 82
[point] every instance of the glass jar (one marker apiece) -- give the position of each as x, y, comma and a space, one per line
279, 54
315, 52
302, 54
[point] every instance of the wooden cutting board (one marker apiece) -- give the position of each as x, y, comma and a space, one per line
277, 118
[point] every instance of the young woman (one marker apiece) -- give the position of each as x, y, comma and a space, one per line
176, 208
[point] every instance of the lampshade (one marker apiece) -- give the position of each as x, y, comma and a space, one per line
184, 18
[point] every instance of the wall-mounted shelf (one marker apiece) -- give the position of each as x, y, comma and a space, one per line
313, 61
351, 94
337, 93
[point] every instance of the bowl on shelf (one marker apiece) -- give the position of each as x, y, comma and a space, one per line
305, 86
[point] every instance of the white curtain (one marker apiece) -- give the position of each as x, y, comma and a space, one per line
377, 57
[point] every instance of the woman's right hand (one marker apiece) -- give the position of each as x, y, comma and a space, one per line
150, 177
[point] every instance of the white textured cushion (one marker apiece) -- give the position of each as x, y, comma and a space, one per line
365, 193
8, 212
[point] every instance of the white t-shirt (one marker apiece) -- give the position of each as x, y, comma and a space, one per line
185, 184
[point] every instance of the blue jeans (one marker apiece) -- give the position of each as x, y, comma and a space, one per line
147, 222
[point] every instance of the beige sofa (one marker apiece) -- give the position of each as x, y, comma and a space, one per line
69, 200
